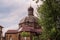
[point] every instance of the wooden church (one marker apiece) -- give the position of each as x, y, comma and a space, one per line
29, 29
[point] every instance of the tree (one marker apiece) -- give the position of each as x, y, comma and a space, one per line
48, 14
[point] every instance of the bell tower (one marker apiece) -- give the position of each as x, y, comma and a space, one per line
29, 27
30, 11
1, 32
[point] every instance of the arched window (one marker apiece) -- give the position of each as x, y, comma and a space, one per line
27, 23
25, 38
19, 37
10, 38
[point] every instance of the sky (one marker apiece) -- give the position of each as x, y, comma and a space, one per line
12, 11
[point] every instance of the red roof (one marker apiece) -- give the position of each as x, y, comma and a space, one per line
12, 31
26, 29
30, 29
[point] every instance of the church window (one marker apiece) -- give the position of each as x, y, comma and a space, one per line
27, 23
10, 38
25, 38
6, 36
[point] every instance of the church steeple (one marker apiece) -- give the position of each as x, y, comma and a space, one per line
30, 11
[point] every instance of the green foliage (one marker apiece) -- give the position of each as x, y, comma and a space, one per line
47, 14
25, 34
35, 38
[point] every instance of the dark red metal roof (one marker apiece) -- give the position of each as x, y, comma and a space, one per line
12, 31
27, 29
30, 29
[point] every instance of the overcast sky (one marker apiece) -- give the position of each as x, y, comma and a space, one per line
12, 11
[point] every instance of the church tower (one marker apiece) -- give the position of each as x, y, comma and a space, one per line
29, 29
30, 11
1, 32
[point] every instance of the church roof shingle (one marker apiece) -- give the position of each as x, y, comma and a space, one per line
12, 31
29, 29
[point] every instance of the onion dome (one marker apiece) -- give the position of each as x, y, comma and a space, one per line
30, 17
30, 9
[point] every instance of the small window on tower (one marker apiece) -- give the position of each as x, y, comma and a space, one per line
27, 23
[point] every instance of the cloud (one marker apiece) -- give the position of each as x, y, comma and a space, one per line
12, 11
